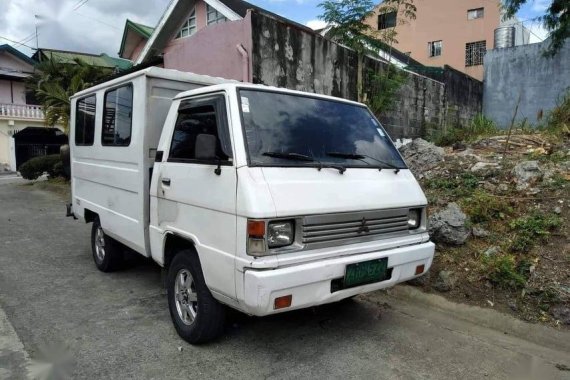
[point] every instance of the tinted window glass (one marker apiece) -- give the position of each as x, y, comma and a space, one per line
85, 121
191, 123
284, 123
117, 117
387, 20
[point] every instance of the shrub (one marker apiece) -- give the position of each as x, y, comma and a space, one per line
558, 119
478, 127
37, 166
503, 270
531, 229
462, 185
482, 207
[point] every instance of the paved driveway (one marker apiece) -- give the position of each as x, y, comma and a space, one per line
55, 305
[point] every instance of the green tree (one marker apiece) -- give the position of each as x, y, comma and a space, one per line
53, 83
556, 20
346, 18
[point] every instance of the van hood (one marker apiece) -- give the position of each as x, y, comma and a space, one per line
305, 191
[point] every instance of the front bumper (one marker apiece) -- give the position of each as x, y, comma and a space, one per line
310, 283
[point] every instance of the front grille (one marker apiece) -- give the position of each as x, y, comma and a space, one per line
354, 227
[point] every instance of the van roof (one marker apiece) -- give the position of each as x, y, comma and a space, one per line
156, 72
240, 85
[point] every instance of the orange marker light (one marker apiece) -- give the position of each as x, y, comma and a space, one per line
256, 229
420, 269
283, 302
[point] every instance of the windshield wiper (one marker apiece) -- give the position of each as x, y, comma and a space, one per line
304, 157
361, 157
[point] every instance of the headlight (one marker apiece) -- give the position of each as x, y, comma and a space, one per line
414, 218
280, 234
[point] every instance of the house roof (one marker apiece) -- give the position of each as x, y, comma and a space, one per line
232, 9
143, 32
15, 52
63, 56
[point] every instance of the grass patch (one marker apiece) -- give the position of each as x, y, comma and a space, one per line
505, 272
558, 119
460, 186
532, 229
480, 126
557, 181
483, 207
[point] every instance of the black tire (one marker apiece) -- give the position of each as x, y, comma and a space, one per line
208, 322
112, 256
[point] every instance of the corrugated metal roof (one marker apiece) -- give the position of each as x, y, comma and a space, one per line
101, 60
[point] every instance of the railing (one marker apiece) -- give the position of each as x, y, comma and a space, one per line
21, 111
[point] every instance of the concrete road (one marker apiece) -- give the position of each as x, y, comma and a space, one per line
55, 307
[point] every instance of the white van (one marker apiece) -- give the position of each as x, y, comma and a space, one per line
258, 198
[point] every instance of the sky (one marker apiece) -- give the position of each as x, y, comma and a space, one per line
96, 26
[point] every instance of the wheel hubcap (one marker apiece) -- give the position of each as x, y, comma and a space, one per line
100, 244
186, 297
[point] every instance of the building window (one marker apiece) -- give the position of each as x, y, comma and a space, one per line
85, 120
473, 14
387, 20
189, 27
474, 52
215, 17
118, 117
434, 48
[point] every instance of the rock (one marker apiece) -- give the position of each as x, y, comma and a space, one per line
445, 281
489, 187
484, 167
526, 173
513, 306
421, 281
561, 313
558, 210
449, 226
421, 155
503, 188
459, 146
479, 232
492, 251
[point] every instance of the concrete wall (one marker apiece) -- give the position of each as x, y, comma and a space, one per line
524, 71
463, 97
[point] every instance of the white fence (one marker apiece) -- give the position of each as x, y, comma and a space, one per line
21, 111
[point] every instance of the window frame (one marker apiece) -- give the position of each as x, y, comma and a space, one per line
219, 102
212, 10
431, 48
94, 120
479, 13
186, 25
473, 63
129, 84
385, 16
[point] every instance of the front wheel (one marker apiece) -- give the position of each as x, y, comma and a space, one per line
197, 316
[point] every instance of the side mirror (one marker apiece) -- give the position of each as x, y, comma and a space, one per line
205, 146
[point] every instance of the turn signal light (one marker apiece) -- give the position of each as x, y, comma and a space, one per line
256, 229
283, 302
420, 269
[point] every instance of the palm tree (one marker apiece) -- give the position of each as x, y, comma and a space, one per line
54, 83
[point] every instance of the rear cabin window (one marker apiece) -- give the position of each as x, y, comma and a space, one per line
118, 117
85, 121
192, 122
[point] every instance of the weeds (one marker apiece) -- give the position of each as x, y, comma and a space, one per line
483, 207
532, 229
479, 126
503, 271
558, 119
460, 186
557, 181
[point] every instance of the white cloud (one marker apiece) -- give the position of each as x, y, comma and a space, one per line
540, 5
316, 24
96, 27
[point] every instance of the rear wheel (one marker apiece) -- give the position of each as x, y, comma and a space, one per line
107, 252
197, 316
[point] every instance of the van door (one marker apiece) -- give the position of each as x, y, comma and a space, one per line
195, 188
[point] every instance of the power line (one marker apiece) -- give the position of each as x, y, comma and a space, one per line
99, 21
80, 4
16, 42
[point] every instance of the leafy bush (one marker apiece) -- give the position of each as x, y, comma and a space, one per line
482, 207
35, 167
478, 127
558, 119
503, 270
462, 185
532, 229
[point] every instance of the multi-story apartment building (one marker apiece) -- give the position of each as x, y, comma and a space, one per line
448, 32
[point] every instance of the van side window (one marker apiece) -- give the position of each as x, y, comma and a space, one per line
85, 120
199, 123
118, 117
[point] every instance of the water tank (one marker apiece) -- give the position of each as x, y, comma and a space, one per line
504, 37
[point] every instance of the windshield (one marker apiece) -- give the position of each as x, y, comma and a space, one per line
291, 130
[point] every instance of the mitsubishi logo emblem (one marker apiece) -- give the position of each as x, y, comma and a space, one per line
363, 229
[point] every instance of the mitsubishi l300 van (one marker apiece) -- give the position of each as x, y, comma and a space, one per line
262, 199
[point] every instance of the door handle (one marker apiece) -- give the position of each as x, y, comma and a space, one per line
166, 181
